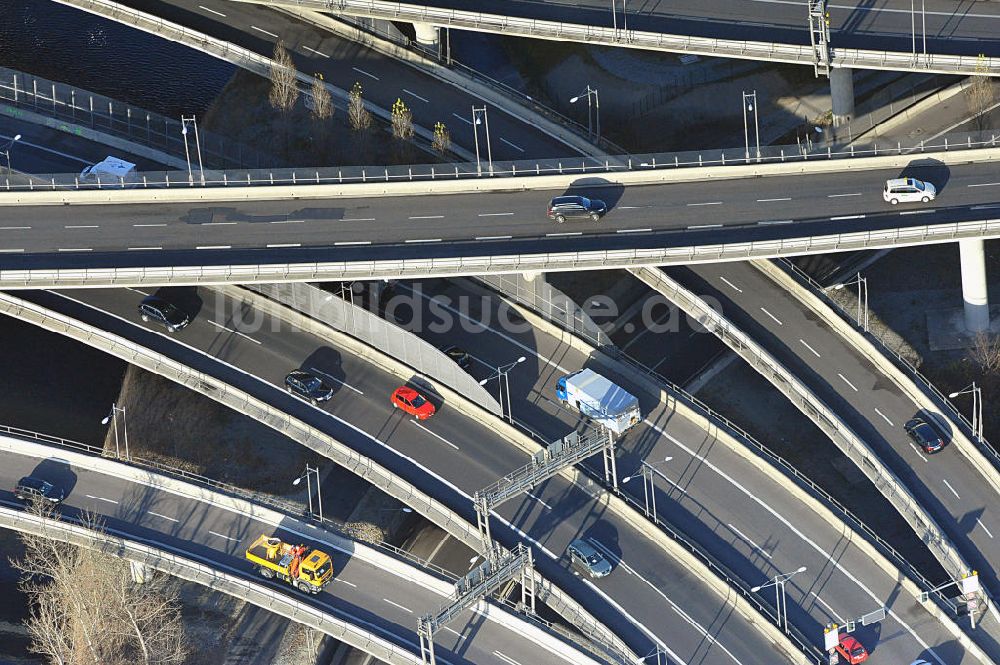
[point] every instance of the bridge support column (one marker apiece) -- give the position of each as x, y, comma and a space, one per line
427, 34
532, 275
977, 304
842, 95
140, 572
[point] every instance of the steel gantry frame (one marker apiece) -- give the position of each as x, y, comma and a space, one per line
478, 584
567, 451
819, 36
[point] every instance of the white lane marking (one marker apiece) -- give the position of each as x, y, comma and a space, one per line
336, 380
219, 224
744, 537
216, 533
353, 242
285, 244
435, 434
14, 228
358, 219
100, 498
456, 633
539, 500
806, 344
425, 240
886, 419
76, 249
706, 203
463, 119
271, 34
776, 319
979, 522
985, 184
556, 235
143, 226
776, 221
319, 53
361, 71
11, 251
847, 381
705, 226
214, 247
413, 94
917, 212
986, 207
235, 332
633, 231
171, 519
211, 11
917, 451
516, 147
834, 196
405, 609
948, 485
833, 612
136, 290
843, 217
82, 226
350, 584
505, 658
139, 249
426, 217
288, 221
786, 198
493, 237
494, 214
733, 286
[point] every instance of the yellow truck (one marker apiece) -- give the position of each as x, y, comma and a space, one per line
308, 570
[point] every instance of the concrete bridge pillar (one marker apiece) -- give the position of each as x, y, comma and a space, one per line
427, 34
532, 275
977, 305
140, 572
842, 95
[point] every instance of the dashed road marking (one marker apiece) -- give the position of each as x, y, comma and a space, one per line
353, 242
216, 533
144, 226
335, 380
505, 658
424, 240
426, 217
253, 27
834, 196
843, 217
806, 344
214, 247
634, 231
494, 214
100, 498
413, 94
235, 332
731, 285
948, 485
493, 237
284, 244
14, 228
705, 226
884, 417
319, 53
405, 609
456, 633
847, 381
435, 434
82, 226
539, 500
135, 290
833, 612
463, 119
515, 147
786, 198
917, 212
556, 235
361, 71
746, 539
705, 203
773, 317
917, 451
170, 519
211, 11
76, 249
350, 584
776, 221
288, 221
11, 251
219, 223
985, 184
141, 249
979, 522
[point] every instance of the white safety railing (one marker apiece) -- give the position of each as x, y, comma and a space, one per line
160, 558
852, 446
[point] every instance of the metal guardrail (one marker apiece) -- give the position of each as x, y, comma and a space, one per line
905, 365
378, 333
839, 433
316, 440
62, 101
743, 49
165, 560
737, 156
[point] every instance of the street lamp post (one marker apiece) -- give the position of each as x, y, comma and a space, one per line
197, 143
480, 117
594, 106
659, 653
646, 470
503, 385
112, 417
614, 17
7, 147
750, 106
780, 601
977, 408
862, 283
310, 470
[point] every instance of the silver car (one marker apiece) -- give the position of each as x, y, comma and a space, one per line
587, 559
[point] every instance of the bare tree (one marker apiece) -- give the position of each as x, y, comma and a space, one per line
985, 352
86, 609
322, 110
284, 84
359, 117
442, 138
980, 94
402, 121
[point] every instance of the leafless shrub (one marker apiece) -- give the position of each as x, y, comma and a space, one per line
985, 352
359, 117
284, 84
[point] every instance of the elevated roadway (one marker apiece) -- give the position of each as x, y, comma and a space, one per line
651, 599
644, 585
389, 230
205, 527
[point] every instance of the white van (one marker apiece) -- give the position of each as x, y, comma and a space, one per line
110, 171
908, 190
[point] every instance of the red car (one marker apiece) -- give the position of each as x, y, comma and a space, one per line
851, 650
412, 402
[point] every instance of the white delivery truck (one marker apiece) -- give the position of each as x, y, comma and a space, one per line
110, 171
599, 399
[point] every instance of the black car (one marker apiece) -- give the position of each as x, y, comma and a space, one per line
154, 308
30, 488
924, 435
459, 355
308, 386
562, 208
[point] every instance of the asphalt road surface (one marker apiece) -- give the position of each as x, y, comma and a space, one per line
370, 597
667, 215
749, 522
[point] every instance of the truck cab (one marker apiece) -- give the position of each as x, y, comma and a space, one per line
308, 570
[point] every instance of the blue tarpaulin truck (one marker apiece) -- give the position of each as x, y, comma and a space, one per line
599, 399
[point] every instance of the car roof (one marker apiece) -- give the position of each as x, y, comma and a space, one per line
899, 182
583, 547
301, 374
32, 482
567, 199
849, 641
154, 300
406, 391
